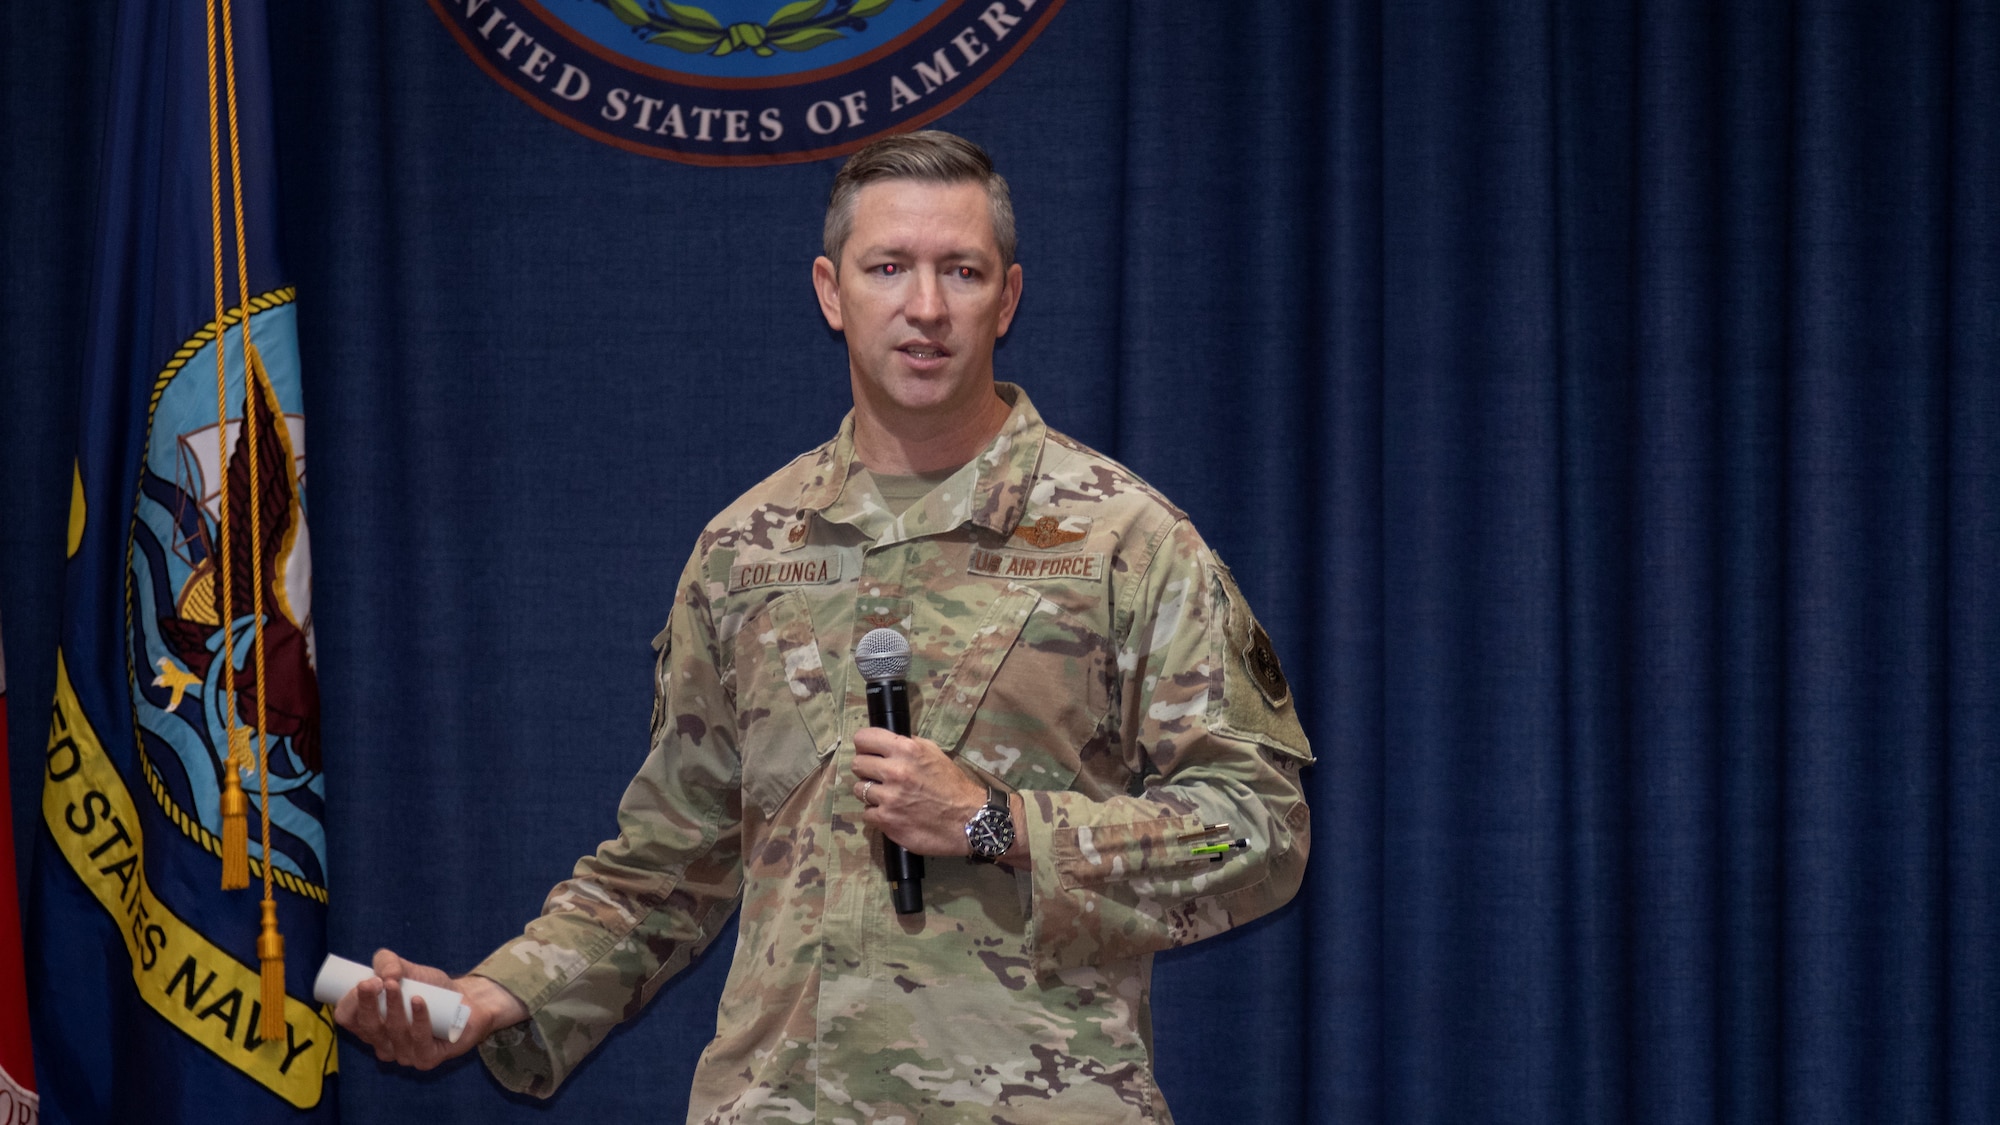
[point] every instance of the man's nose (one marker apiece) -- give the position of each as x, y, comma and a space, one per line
926, 304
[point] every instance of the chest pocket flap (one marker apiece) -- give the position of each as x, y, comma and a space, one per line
785, 715
1025, 697
948, 716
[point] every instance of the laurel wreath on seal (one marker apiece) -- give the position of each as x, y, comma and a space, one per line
799, 26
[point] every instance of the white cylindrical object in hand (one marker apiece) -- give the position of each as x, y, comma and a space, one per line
448, 1009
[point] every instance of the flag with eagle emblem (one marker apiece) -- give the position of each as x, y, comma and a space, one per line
180, 895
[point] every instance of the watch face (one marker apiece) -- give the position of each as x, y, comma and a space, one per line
990, 833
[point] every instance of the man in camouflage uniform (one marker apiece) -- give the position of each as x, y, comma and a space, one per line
1083, 670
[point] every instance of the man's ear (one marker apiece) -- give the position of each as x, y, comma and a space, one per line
826, 283
1010, 297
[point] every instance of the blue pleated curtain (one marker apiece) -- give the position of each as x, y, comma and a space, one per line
1597, 400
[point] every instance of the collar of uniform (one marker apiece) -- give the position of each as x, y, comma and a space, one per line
990, 491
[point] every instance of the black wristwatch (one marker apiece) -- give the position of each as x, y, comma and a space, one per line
990, 832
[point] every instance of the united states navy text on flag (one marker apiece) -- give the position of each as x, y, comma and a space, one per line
187, 624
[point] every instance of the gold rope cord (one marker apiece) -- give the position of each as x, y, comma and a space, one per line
270, 943
235, 807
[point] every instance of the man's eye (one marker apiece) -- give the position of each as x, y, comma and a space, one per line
888, 269
965, 273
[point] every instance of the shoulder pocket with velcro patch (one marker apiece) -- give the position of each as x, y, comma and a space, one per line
1256, 698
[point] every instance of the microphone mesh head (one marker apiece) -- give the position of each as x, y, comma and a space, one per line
883, 654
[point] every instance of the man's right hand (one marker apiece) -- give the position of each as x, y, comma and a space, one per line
401, 1039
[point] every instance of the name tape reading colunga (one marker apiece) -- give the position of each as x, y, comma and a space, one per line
196, 986
736, 82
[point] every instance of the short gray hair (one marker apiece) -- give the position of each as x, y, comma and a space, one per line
931, 156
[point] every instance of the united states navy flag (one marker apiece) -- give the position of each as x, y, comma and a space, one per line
186, 721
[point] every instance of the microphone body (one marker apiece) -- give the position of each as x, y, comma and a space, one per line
884, 658
889, 708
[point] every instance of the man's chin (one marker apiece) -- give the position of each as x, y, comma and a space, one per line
932, 392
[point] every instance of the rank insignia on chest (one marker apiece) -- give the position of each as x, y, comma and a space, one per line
1050, 532
879, 612
797, 534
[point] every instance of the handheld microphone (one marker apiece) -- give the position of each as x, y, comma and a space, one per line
884, 659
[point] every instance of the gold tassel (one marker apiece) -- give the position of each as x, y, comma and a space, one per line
271, 957
235, 830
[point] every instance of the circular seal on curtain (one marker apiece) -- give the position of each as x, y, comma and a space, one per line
744, 81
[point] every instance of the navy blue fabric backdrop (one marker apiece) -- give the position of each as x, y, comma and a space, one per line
1597, 400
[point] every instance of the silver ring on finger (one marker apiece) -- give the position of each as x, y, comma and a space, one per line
865, 787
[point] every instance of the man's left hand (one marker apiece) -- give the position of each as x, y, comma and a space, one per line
915, 794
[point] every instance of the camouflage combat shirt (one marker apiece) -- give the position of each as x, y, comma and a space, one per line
1073, 640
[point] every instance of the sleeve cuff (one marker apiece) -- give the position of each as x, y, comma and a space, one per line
533, 972
517, 1056
1072, 863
